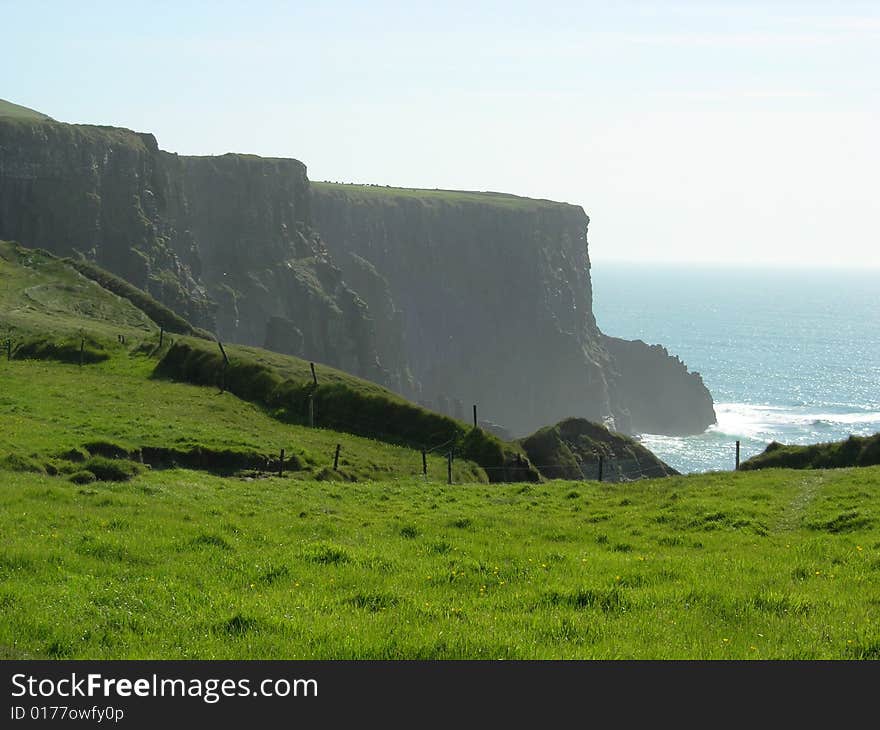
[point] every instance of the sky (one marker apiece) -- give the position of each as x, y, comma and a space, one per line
742, 133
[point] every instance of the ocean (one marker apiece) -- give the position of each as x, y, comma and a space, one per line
788, 355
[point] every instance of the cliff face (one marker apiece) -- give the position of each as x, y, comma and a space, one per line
223, 241
495, 306
106, 194
449, 298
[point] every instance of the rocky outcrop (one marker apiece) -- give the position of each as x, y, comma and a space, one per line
657, 390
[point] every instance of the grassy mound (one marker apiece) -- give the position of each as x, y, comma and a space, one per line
572, 448
854, 451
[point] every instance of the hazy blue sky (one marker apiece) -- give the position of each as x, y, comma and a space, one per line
699, 131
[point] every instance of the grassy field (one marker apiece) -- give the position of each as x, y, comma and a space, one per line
181, 564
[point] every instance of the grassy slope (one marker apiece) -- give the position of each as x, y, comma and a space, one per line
180, 564
14, 111
49, 407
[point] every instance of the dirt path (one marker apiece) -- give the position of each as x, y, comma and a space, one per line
790, 519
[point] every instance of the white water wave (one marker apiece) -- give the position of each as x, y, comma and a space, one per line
775, 422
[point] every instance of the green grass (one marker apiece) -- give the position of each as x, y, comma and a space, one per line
181, 564
437, 196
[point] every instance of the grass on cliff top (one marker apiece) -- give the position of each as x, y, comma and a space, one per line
15, 111
183, 565
429, 196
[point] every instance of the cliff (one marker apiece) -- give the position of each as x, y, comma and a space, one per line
492, 304
448, 298
223, 241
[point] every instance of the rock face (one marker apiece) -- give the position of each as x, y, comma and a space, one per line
493, 305
448, 298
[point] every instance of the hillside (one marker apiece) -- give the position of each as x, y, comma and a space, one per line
410, 289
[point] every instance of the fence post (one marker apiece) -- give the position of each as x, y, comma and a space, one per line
82, 347
737, 455
314, 377
225, 364
336, 458
424, 463
311, 410
601, 465
9, 349
162, 337
281, 464
475, 415
449, 468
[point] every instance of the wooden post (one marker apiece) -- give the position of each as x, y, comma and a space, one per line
281, 464
312, 411
9, 349
82, 347
225, 365
314, 377
336, 458
475, 415
449, 468
162, 336
601, 465
737, 455
424, 463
